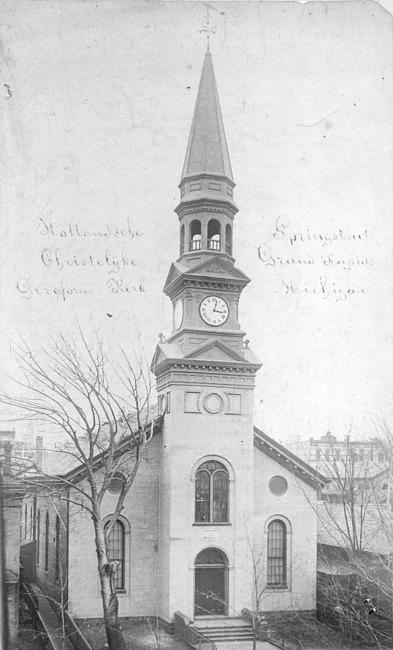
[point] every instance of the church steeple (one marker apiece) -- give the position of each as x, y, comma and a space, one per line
206, 208
207, 151
203, 284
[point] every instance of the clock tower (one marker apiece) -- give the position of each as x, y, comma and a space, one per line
205, 379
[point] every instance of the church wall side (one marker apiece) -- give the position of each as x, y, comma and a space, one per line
297, 509
140, 515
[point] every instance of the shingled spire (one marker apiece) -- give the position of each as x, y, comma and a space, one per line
207, 151
206, 207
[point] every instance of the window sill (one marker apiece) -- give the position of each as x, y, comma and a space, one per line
277, 587
120, 592
213, 523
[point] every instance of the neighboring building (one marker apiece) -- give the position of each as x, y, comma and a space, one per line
12, 494
323, 452
355, 534
215, 494
18, 455
359, 464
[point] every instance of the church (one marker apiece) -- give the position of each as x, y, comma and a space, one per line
220, 517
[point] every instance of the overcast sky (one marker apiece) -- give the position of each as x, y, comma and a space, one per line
97, 102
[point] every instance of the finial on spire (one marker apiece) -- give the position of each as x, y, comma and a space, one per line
207, 28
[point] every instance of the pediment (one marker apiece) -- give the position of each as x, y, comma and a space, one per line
215, 268
158, 356
219, 268
175, 271
165, 350
216, 351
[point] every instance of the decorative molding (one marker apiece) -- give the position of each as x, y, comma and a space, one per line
233, 297
208, 208
214, 269
191, 401
225, 284
234, 403
213, 403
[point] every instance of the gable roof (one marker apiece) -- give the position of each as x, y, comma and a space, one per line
262, 442
287, 459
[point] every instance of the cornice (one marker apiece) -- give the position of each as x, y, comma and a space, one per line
188, 282
203, 205
196, 177
286, 459
196, 365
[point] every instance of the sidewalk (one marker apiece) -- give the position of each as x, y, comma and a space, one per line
50, 621
244, 645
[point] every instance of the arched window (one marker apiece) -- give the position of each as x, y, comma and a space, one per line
115, 551
211, 493
47, 541
195, 235
277, 554
228, 239
38, 537
182, 240
213, 235
57, 550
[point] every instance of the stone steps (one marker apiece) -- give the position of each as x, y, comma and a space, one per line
226, 630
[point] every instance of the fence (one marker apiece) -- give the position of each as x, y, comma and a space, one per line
267, 632
74, 634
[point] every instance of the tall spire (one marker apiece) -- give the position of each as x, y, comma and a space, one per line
207, 151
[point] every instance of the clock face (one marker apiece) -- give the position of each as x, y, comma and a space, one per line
178, 314
214, 310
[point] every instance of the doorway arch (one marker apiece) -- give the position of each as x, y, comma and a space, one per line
211, 583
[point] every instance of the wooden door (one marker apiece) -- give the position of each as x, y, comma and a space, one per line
210, 597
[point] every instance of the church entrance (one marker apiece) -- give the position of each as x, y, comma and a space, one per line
211, 583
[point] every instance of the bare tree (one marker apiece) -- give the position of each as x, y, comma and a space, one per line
101, 403
355, 521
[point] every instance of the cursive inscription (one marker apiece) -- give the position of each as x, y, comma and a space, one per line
317, 263
111, 261
326, 239
78, 231
80, 261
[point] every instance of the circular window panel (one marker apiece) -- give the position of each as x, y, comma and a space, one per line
116, 483
213, 403
278, 485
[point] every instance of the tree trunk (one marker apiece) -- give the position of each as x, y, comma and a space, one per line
110, 604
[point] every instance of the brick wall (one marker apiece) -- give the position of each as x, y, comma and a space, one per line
52, 575
12, 505
140, 517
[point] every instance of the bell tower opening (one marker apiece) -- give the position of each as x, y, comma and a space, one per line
228, 239
195, 235
182, 240
213, 235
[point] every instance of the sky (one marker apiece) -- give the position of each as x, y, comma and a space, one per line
97, 103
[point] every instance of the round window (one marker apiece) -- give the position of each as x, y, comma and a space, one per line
116, 483
278, 485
